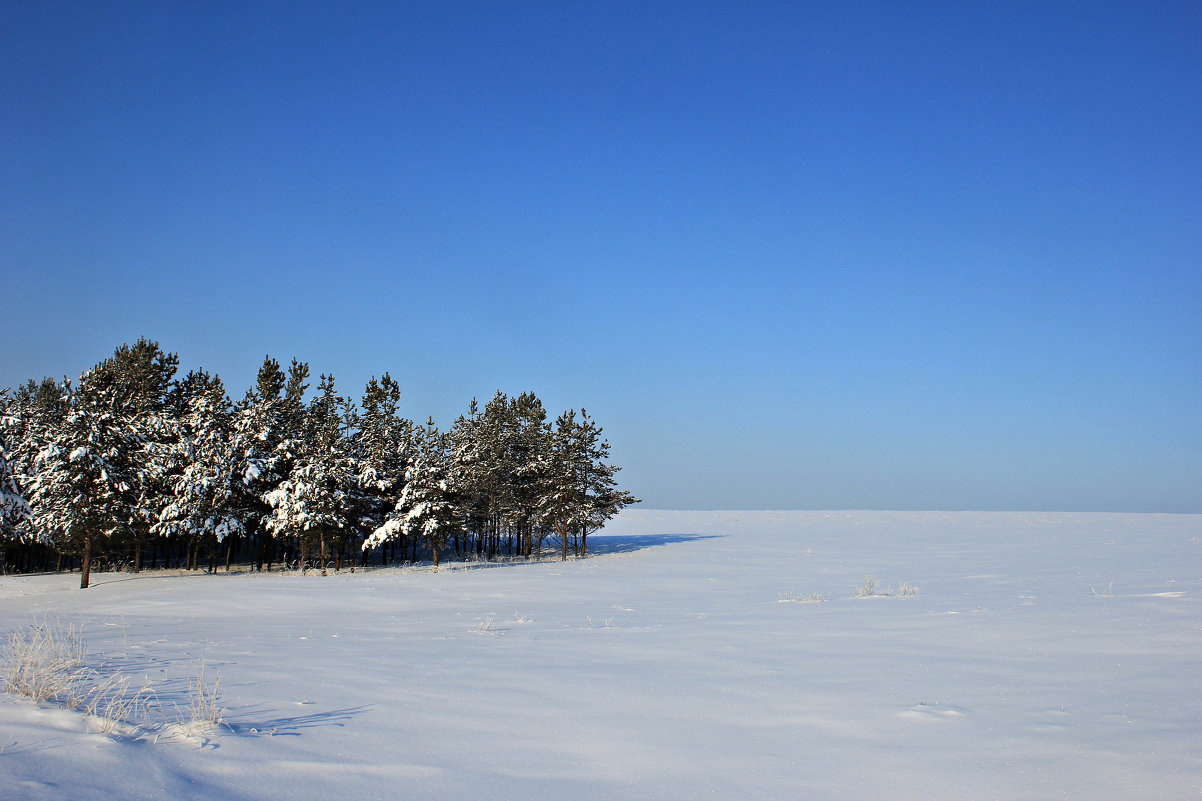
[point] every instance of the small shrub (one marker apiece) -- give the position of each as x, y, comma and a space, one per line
111, 704
204, 713
43, 662
485, 627
867, 589
48, 664
872, 589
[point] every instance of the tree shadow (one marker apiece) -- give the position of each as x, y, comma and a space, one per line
617, 543
249, 722
133, 660
102, 579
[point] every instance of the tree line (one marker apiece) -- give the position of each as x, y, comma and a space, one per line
132, 467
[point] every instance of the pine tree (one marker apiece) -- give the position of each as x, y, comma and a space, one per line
88, 468
427, 507
142, 376
203, 501
528, 450
311, 503
382, 448
259, 429
37, 410
493, 470
579, 492
468, 473
603, 499
563, 501
14, 508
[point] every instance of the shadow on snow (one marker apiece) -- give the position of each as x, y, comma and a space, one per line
247, 723
617, 543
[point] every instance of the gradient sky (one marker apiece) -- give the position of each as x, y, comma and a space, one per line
790, 255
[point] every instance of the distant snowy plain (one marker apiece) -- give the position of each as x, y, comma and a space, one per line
1044, 656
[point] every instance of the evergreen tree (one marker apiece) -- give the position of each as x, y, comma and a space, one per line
579, 492
427, 507
311, 504
564, 505
528, 452
259, 430
493, 470
36, 411
469, 475
603, 499
88, 468
14, 509
382, 448
203, 500
142, 376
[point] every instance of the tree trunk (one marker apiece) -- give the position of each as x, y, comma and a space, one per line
87, 563
434, 548
563, 535
322, 550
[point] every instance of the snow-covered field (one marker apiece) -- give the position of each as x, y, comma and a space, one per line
1044, 656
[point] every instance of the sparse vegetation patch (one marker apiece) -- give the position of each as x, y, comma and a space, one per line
48, 664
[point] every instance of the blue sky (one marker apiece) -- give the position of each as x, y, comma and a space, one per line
790, 255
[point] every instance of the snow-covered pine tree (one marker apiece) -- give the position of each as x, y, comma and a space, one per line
603, 499
203, 502
293, 410
493, 469
259, 429
14, 508
528, 452
469, 475
310, 505
36, 411
564, 506
88, 468
142, 376
427, 507
382, 448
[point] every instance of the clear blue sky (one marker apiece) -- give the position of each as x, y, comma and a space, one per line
791, 255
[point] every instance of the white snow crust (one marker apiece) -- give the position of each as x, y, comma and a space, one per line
1044, 656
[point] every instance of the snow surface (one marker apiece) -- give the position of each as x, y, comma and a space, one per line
675, 664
